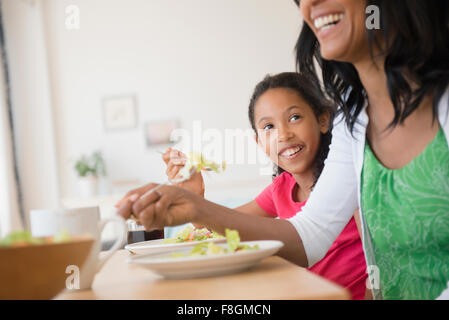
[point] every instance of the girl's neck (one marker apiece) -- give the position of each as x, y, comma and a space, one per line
305, 182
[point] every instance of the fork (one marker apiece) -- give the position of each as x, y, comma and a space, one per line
169, 182
204, 168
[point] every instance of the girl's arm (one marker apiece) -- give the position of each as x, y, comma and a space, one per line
175, 160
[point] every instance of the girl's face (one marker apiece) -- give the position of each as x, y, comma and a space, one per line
339, 26
288, 130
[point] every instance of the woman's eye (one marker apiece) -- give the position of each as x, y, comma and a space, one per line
295, 117
268, 127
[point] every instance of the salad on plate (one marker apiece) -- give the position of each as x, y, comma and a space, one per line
190, 234
208, 249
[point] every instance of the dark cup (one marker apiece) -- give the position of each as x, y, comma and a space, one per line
142, 235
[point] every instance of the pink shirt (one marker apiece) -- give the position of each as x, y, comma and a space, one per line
344, 263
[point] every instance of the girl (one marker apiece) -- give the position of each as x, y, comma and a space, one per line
291, 125
389, 156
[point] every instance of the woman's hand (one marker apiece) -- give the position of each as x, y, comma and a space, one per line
175, 161
131, 196
167, 206
172, 205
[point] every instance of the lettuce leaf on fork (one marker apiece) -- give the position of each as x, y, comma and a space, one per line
198, 161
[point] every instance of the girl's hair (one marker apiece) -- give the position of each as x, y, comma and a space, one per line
306, 89
416, 46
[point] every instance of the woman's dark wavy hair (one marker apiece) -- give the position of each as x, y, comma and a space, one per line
416, 42
312, 94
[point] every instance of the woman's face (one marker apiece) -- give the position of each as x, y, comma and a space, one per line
288, 130
339, 26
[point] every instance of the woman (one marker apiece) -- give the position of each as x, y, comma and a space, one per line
286, 110
389, 156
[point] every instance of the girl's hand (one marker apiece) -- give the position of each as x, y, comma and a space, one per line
167, 206
175, 161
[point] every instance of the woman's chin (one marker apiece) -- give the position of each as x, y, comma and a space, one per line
330, 54
334, 51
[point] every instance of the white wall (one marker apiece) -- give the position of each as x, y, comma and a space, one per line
9, 205
33, 114
195, 59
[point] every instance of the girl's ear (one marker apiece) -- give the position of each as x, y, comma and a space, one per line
256, 137
324, 122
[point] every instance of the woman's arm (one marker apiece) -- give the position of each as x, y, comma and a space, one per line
255, 227
171, 206
250, 208
254, 209
334, 199
306, 237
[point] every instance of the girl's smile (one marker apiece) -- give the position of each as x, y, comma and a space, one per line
291, 152
288, 130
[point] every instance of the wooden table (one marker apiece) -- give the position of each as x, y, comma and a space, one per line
273, 278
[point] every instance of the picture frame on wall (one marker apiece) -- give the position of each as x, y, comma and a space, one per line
120, 112
159, 132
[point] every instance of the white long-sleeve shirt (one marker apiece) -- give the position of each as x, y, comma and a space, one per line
336, 194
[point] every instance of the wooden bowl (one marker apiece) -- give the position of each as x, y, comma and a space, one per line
39, 271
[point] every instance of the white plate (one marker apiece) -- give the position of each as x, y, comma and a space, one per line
206, 266
158, 246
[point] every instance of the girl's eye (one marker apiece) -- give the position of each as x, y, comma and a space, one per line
295, 117
268, 127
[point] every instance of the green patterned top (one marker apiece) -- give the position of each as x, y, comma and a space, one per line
407, 217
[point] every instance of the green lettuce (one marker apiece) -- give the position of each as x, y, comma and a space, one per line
208, 249
25, 237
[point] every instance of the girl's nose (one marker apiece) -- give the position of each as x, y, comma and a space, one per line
284, 134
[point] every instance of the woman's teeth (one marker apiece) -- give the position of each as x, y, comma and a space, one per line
291, 151
325, 22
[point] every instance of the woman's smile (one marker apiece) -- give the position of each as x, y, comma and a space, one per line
339, 26
326, 24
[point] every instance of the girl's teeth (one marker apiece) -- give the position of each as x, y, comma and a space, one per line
291, 152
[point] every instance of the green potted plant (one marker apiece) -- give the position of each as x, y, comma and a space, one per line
89, 169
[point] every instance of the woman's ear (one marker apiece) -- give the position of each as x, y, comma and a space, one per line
256, 138
324, 122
